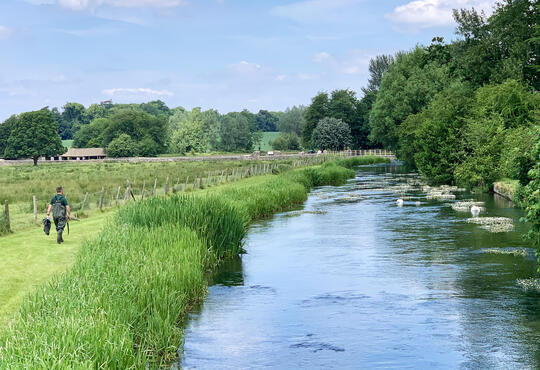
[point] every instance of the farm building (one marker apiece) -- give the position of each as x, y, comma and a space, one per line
80, 154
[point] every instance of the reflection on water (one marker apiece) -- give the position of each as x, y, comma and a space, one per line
357, 282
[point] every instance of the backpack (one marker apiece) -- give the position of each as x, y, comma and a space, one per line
58, 210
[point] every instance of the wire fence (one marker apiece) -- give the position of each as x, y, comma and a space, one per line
21, 215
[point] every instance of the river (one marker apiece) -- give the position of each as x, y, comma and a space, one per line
351, 280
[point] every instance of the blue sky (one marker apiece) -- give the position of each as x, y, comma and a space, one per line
222, 54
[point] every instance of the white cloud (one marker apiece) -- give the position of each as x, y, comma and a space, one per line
311, 11
244, 67
354, 62
434, 13
136, 91
5, 32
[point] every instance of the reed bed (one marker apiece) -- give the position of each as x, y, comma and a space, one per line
120, 305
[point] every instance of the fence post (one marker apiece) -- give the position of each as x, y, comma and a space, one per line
166, 188
117, 194
35, 208
126, 195
101, 198
6, 216
142, 191
185, 186
84, 201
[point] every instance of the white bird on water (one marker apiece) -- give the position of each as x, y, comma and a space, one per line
475, 211
399, 202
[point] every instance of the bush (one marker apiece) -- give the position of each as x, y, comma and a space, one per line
122, 146
286, 141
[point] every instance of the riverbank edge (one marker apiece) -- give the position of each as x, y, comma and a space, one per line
506, 188
80, 319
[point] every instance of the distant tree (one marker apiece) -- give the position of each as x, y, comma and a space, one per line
122, 146
286, 141
343, 105
292, 120
155, 108
314, 113
377, 68
5, 131
251, 119
266, 121
331, 133
33, 135
189, 135
235, 133
95, 111
91, 136
72, 118
256, 138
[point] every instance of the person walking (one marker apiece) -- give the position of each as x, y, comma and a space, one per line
59, 206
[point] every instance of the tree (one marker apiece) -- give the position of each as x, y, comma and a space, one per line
314, 113
377, 68
33, 135
256, 138
266, 121
122, 146
189, 135
343, 105
155, 108
91, 136
235, 133
331, 133
286, 141
71, 120
407, 87
292, 120
5, 131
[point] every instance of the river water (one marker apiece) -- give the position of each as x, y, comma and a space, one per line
352, 281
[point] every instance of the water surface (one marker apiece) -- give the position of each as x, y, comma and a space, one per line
354, 281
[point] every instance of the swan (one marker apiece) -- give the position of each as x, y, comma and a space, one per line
475, 211
399, 202
417, 203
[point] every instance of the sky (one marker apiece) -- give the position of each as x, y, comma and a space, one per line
222, 54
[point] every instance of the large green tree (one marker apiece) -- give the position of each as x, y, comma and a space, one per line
317, 110
235, 133
33, 135
266, 121
5, 131
292, 120
331, 133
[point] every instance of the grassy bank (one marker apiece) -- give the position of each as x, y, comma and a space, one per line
120, 304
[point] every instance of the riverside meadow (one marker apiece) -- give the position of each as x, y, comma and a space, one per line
122, 303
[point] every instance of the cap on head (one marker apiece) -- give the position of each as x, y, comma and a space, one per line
58, 189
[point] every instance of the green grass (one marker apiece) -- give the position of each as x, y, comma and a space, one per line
67, 143
120, 304
266, 139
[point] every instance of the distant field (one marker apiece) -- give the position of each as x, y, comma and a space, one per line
267, 138
67, 143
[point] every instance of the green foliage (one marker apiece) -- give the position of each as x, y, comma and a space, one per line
378, 66
235, 133
286, 141
188, 133
122, 146
314, 113
531, 193
437, 139
33, 135
292, 120
265, 121
407, 87
331, 133
5, 131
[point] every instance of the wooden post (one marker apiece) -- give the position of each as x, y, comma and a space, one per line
35, 208
155, 185
117, 194
101, 197
6, 215
187, 179
166, 186
142, 191
126, 195
84, 201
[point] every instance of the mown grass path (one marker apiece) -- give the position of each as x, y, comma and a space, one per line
30, 258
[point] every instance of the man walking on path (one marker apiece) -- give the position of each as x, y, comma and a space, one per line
59, 206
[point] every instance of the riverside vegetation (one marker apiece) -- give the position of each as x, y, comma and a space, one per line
121, 304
